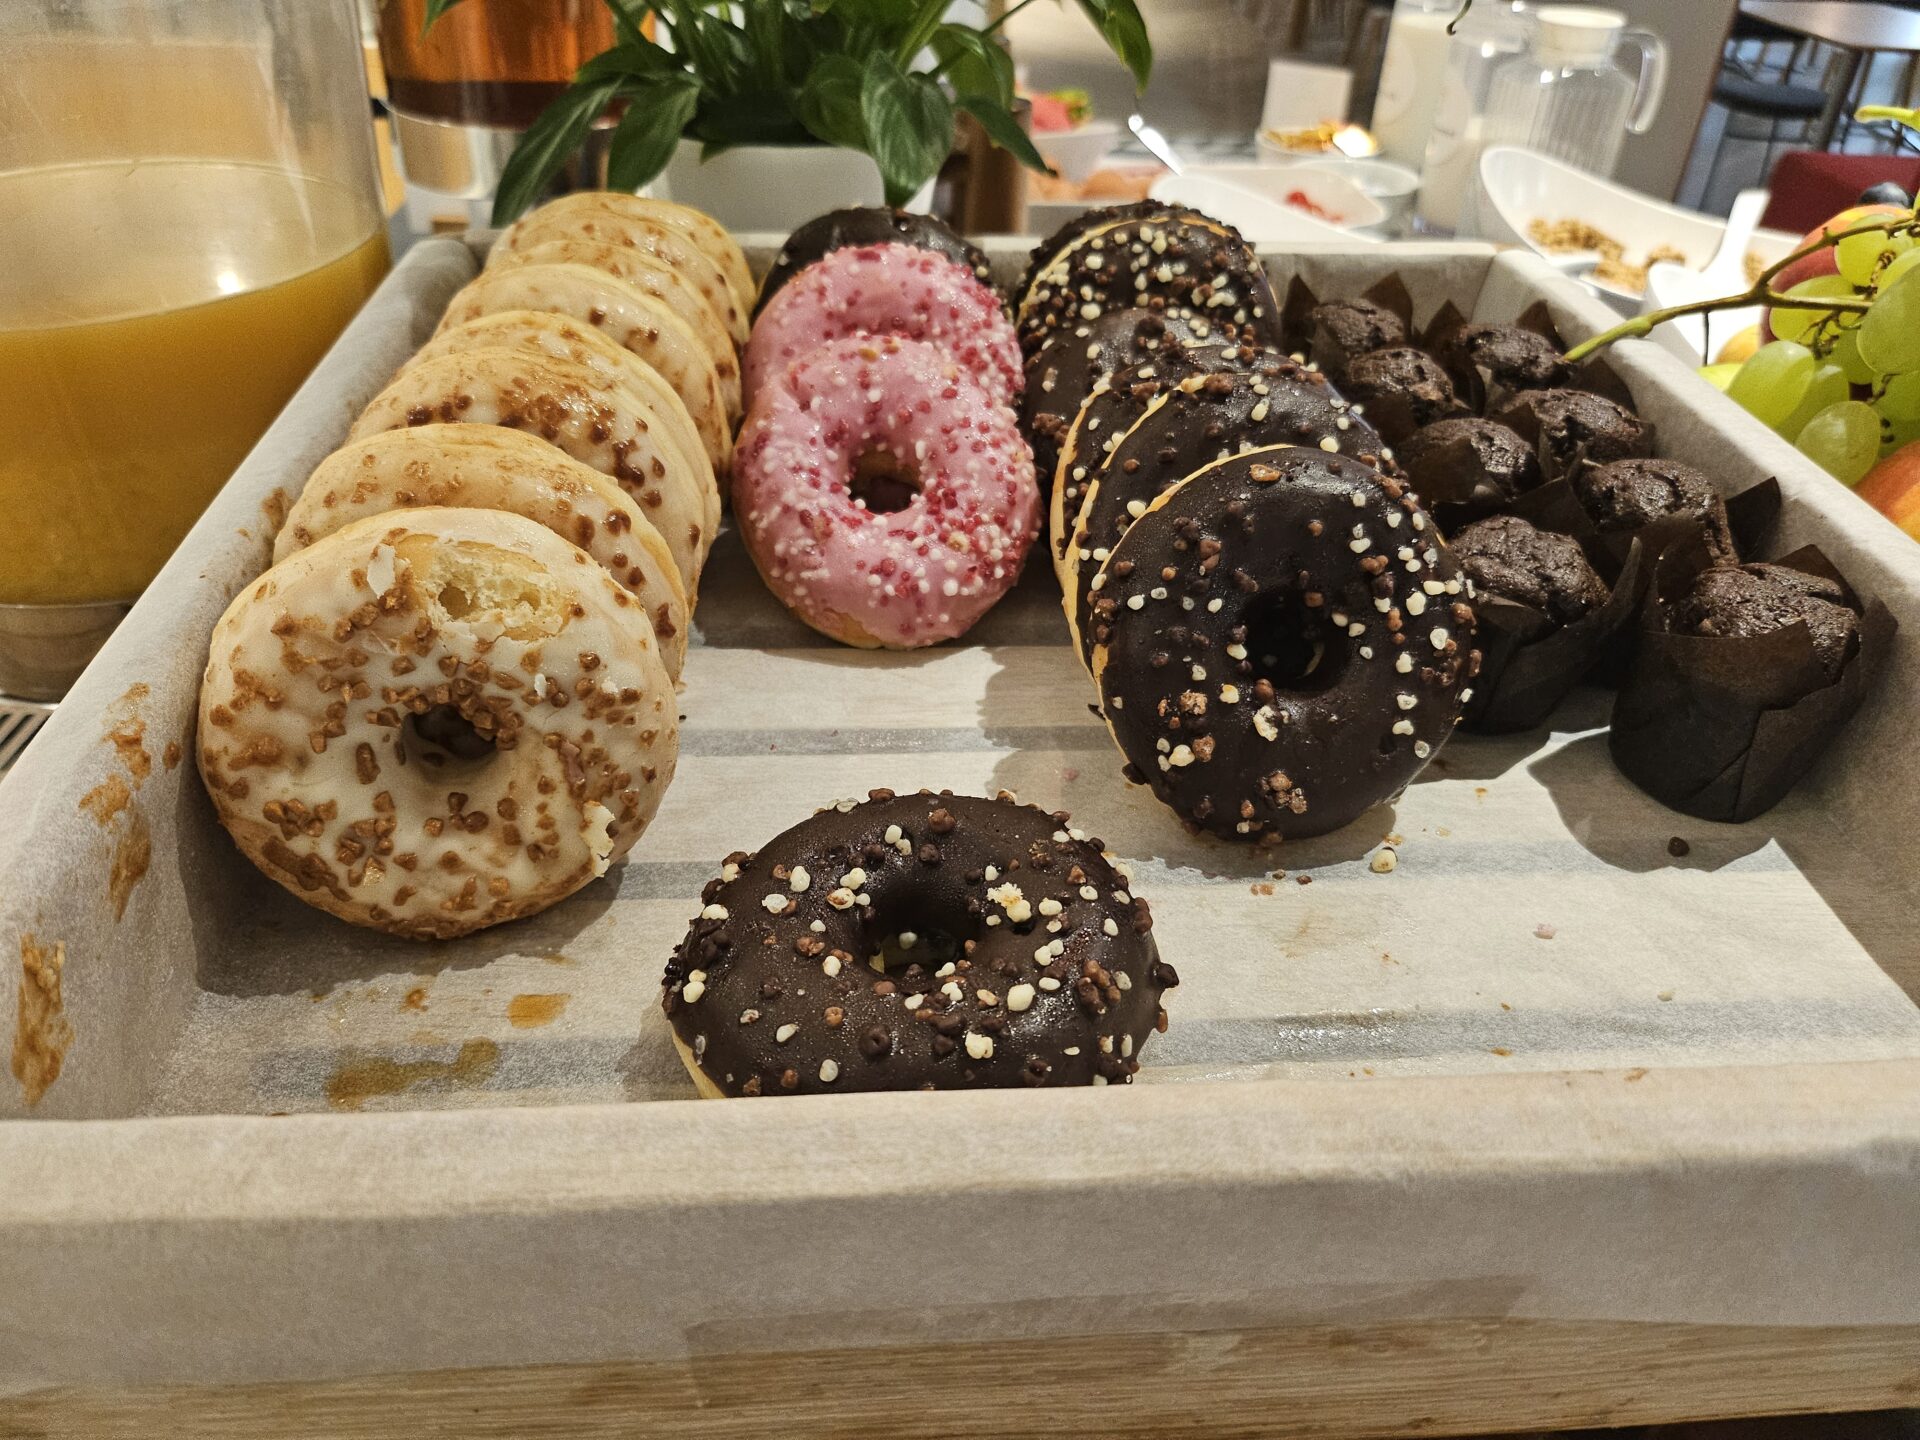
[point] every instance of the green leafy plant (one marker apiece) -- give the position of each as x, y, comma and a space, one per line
792, 72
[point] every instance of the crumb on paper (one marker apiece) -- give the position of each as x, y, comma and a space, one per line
1261, 887
1393, 838
1070, 774
1664, 995
1639, 1072
42, 1032
1279, 874
1384, 860
1479, 792
1443, 831
1498, 1050
1303, 879
1678, 848
1544, 931
1505, 1006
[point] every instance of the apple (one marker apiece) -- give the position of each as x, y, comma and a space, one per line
1739, 347
1822, 262
1893, 488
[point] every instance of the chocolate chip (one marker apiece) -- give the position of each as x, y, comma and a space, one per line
941, 821
876, 1042
929, 854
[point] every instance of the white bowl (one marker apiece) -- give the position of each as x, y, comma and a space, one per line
1077, 153
1254, 199
1518, 186
1388, 185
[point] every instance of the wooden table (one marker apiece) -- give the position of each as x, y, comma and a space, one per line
1854, 29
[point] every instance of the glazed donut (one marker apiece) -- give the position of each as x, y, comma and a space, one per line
484, 467
630, 318
609, 429
1086, 221
1290, 643
1178, 264
1275, 402
565, 338
712, 238
435, 720
869, 225
930, 942
648, 275
638, 240
887, 290
886, 500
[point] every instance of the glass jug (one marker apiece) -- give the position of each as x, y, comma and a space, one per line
189, 215
1491, 33
1410, 76
1568, 98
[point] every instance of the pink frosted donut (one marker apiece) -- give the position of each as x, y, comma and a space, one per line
886, 499
887, 290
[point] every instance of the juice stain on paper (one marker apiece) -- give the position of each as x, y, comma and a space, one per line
356, 1082
42, 1032
529, 1012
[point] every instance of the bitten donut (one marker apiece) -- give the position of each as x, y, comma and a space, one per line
483, 467
1291, 643
588, 207
886, 500
606, 427
564, 338
435, 720
627, 316
931, 942
1182, 265
869, 225
887, 290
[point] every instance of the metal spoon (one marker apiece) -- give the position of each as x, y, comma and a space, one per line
1156, 143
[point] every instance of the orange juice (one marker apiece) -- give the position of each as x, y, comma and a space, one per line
155, 315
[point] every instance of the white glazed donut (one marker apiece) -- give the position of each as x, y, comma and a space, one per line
705, 378
436, 720
483, 467
646, 273
607, 427
713, 238
705, 432
644, 234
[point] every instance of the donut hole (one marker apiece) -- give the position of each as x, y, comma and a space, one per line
882, 482
1293, 646
895, 949
440, 736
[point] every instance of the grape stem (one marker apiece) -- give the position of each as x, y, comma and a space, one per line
1761, 292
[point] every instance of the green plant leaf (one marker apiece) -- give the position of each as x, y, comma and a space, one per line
973, 64
909, 123
1004, 131
643, 141
925, 21
627, 61
627, 23
1125, 32
552, 137
435, 9
754, 118
829, 103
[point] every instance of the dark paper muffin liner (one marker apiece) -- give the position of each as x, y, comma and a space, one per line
1527, 663
1722, 727
1296, 327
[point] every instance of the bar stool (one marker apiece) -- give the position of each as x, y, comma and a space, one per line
1757, 109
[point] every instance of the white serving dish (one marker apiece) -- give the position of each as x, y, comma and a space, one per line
1402, 1163
1252, 199
1077, 153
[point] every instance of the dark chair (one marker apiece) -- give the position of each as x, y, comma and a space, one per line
1758, 109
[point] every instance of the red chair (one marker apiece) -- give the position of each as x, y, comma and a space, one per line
1811, 185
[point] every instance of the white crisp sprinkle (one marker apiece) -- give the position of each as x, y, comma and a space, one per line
1382, 603
1182, 755
1466, 695
1109, 926
1159, 592
714, 912
819, 927
1393, 519
1403, 662
829, 1071
1357, 546
774, 903
1422, 749
1433, 587
1403, 727
1121, 982
1416, 604
854, 878
798, 879
986, 997
840, 898
1199, 673
831, 965
1366, 651
991, 873
1419, 521
1229, 694
692, 991
1332, 447
1213, 607
892, 837
1009, 898
1135, 602
699, 975
729, 872
1359, 498
1048, 983
1356, 629
1236, 652
914, 1002
1126, 1045
945, 970
1136, 508
1263, 723
1106, 1044
1405, 702
909, 939
1019, 997
980, 1047
1439, 637
785, 1033
1043, 954
1050, 906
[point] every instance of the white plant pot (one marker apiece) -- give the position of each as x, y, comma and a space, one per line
774, 187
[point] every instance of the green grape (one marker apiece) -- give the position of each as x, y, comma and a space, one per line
1859, 256
1902, 263
1845, 352
1843, 440
1901, 399
1890, 334
1772, 381
1828, 386
1720, 376
1792, 323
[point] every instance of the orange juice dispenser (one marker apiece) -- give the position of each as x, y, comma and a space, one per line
189, 215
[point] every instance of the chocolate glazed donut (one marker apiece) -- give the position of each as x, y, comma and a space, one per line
1090, 220
1291, 644
1176, 265
925, 941
869, 225
1278, 402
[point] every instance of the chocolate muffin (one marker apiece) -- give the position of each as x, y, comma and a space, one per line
1564, 424
1345, 329
1506, 556
1513, 357
1401, 389
1629, 495
1465, 468
1758, 599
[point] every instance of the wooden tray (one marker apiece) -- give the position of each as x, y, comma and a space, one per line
1544, 1128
